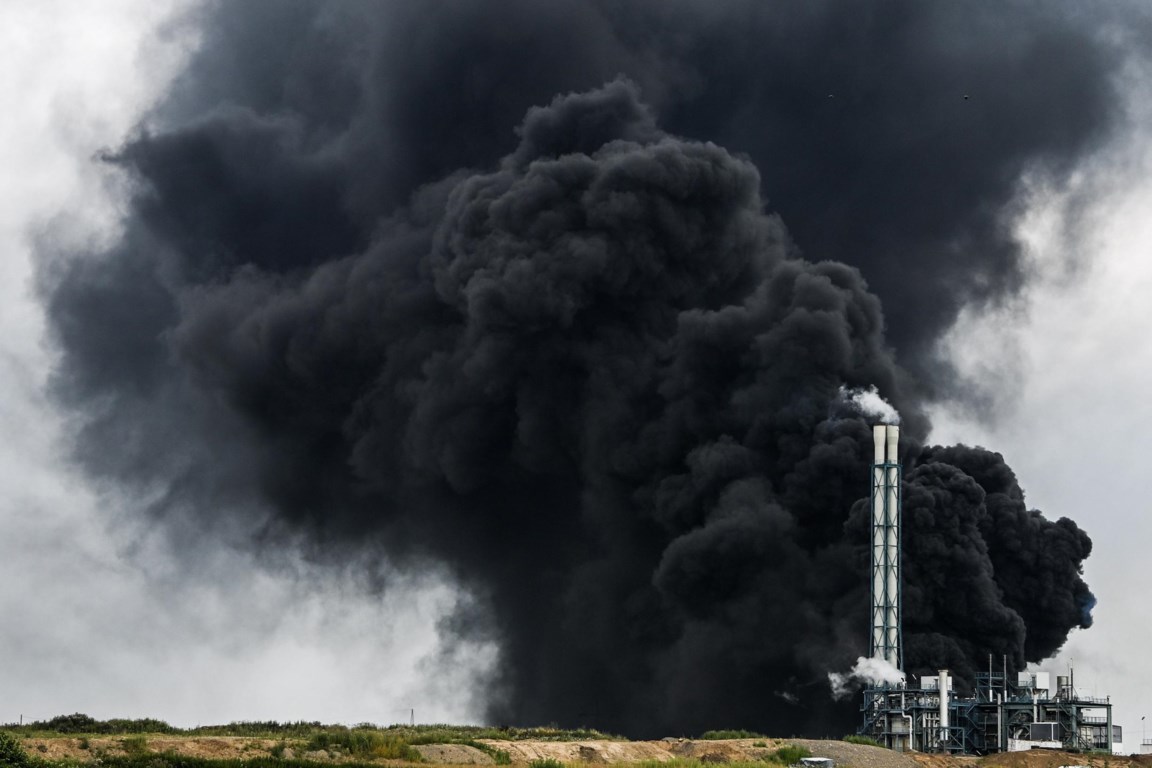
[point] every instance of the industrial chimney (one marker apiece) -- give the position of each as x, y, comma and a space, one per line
886, 635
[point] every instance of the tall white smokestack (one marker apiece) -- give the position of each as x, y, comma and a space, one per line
886, 546
879, 576
945, 684
892, 557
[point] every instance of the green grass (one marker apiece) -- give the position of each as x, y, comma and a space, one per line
499, 756
269, 729
858, 739
80, 724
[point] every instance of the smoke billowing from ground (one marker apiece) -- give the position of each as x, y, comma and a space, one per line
579, 367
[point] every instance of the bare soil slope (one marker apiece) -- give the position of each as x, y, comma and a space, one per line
574, 752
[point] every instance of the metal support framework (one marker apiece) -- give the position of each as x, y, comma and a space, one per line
999, 716
887, 642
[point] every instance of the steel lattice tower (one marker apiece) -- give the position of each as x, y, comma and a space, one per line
886, 616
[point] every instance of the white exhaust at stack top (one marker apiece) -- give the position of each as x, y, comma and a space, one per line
886, 546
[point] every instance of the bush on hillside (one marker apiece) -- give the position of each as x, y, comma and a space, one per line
364, 742
790, 754
12, 755
81, 723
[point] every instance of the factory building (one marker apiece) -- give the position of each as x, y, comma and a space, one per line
1003, 713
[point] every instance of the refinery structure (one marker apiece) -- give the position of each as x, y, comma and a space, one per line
1002, 713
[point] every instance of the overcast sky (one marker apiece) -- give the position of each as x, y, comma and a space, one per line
1075, 408
87, 626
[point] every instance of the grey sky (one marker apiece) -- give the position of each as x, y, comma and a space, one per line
1075, 407
94, 618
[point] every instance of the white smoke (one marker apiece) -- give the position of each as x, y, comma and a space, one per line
869, 403
874, 671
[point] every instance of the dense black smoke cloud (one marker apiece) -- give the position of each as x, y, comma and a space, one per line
579, 366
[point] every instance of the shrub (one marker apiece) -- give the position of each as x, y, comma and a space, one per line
259, 728
790, 754
75, 723
856, 738
546, 762
81, 723
134, 745
364, 742
141, 725
12, 755
499, 756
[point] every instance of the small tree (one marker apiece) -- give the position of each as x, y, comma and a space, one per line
12, 755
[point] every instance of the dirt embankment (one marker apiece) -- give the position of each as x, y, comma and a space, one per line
520, 752
573, 752
91, 747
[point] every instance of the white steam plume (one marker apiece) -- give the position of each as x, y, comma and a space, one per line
868, 401
874, 671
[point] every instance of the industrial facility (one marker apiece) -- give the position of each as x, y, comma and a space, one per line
1003, 712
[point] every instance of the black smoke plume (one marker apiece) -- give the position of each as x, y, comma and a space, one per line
579, 366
